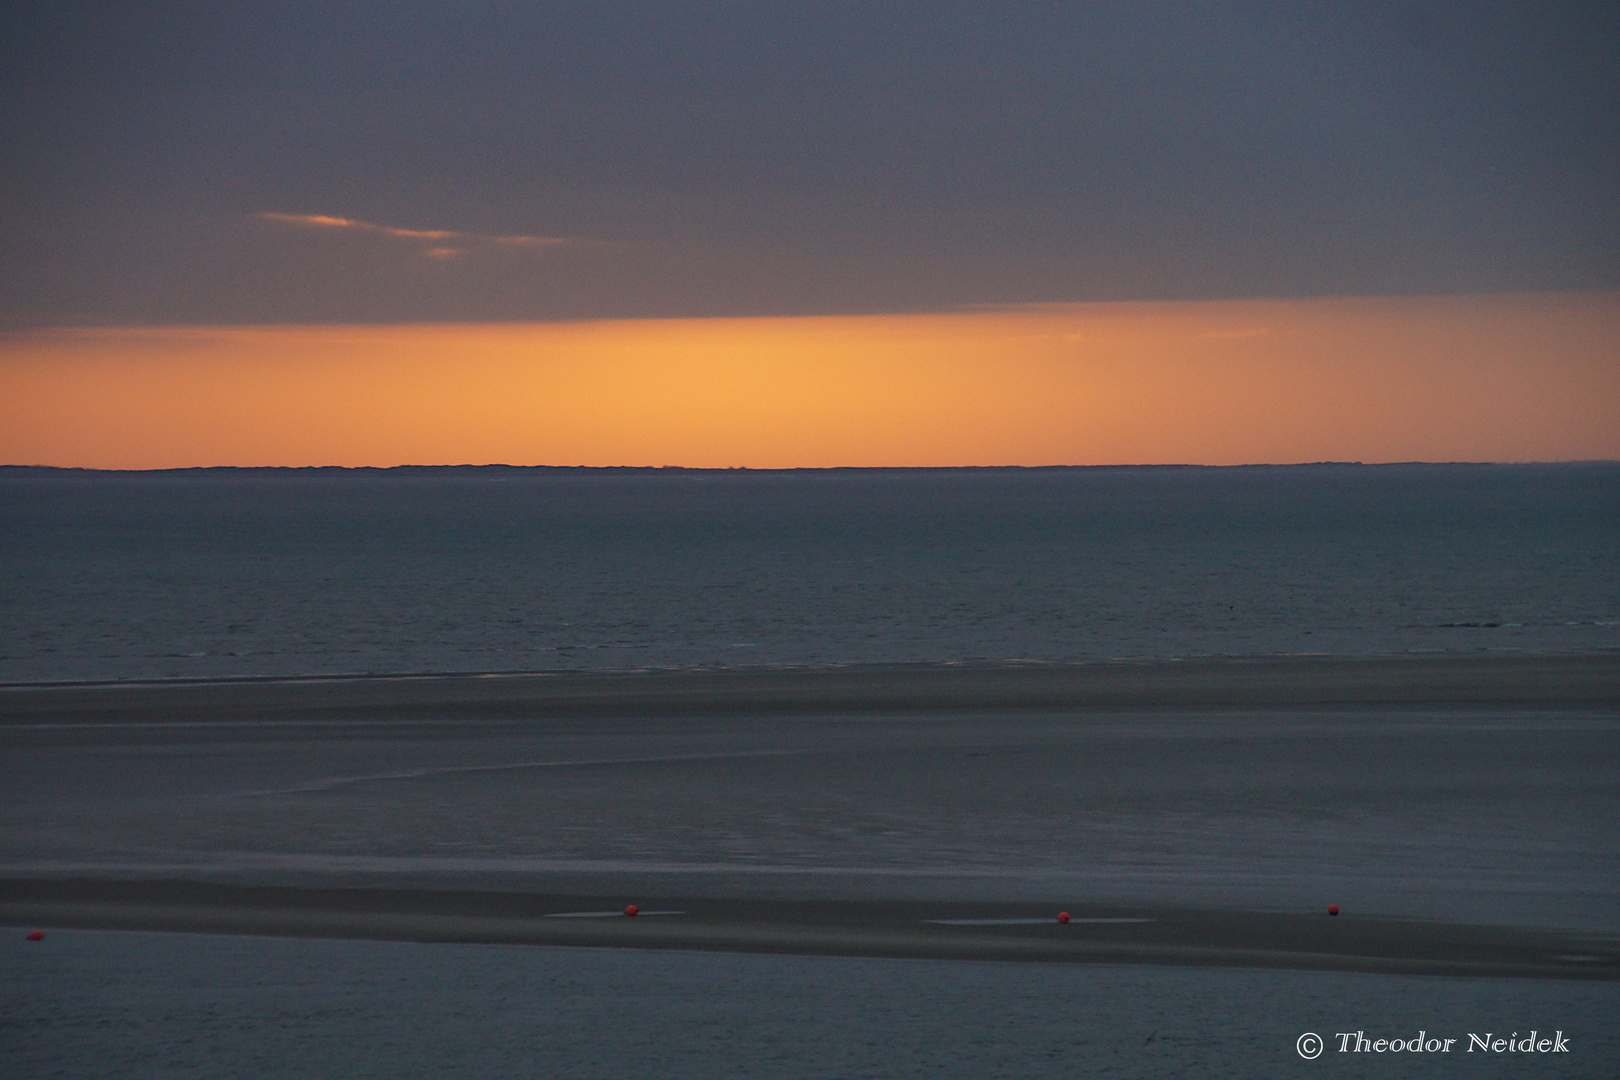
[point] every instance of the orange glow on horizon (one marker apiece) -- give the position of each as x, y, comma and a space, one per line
1485, 378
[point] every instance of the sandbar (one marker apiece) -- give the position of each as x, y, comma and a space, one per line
1489, 680
916, 930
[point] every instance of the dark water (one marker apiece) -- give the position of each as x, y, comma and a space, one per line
279, 572
128, 1005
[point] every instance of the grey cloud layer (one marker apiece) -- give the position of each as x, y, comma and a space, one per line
798, 158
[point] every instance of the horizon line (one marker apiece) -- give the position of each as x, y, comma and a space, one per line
469, 466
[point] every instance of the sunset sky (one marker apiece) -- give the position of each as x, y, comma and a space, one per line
716, 234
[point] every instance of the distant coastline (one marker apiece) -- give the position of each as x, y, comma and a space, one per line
19, 470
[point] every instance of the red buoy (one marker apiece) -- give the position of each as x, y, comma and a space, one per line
1333, 909
631, 910
1063, 916
37, 935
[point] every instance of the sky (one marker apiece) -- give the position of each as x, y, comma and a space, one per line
425, 177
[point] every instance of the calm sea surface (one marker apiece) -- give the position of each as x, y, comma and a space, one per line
138, 1006
289, 572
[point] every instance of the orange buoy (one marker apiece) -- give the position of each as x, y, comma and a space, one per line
631, 910
1063, 916
1333, 909
37, 935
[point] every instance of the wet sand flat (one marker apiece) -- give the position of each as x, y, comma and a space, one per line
1462, 810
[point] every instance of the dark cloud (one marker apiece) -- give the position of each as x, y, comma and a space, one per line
751, 158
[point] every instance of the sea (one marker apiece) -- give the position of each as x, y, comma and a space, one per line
286, 572
1484, 815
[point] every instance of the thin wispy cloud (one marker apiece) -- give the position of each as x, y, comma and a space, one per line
440, 243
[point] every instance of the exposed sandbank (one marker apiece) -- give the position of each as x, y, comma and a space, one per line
1300, 940
1485, 680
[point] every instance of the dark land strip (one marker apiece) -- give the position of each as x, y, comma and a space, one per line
1589, 680
1311, 941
